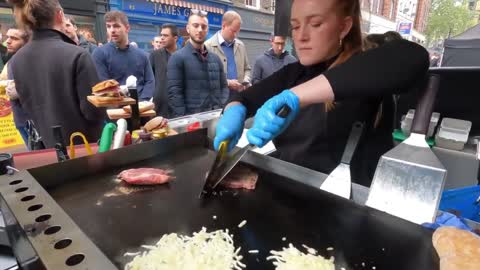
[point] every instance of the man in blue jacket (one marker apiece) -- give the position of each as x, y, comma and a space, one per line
196, 80
118, 60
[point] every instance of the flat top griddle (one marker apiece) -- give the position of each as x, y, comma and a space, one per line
119, 219
120, 222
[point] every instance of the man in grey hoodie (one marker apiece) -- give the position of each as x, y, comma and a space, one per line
272, 60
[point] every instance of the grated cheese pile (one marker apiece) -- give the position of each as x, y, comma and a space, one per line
202, 251
292, 259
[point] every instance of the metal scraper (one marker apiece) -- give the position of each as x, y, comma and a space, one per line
409, 179
339, 181
218, 171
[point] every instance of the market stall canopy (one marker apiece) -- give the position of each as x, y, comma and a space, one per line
463, 50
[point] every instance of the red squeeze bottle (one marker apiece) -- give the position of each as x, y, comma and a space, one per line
128, 139
193, 126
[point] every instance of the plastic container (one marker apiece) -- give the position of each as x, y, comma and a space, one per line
453, 134
406, 124
463, 202
205, 116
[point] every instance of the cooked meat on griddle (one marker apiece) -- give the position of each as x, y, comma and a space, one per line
241, 177
145, 176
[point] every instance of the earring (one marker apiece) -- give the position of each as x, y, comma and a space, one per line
341, 43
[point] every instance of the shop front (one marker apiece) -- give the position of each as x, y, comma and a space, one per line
84, 13
257, 28
147, 16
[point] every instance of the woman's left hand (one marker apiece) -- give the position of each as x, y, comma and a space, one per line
267, 125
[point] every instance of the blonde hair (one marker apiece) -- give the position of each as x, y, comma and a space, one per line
230, 16
35, 14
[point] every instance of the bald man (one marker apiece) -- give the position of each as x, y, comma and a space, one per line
232, 52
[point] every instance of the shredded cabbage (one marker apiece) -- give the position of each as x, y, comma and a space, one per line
202, 251
292, 259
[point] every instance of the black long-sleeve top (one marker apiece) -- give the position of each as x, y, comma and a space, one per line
316, 138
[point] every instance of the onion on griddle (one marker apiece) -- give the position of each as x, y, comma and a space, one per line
201, 251
292, 258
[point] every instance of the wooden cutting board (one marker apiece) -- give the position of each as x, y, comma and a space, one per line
115, 114
97, 103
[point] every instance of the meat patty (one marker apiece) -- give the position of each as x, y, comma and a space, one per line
241, 177
145, 176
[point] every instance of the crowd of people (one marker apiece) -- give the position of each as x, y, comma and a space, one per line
57, 66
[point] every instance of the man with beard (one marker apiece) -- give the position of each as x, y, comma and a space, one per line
196, 80
159, 59
118, 59
16, 39
71, 30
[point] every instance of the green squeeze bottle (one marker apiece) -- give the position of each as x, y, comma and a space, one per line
107, 137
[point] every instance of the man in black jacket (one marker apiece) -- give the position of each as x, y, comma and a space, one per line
53, 77
158, 60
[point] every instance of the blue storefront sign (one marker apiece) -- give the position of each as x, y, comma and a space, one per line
146, 16
405, 28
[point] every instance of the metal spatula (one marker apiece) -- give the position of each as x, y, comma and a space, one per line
409, 179
339, 181
219, 171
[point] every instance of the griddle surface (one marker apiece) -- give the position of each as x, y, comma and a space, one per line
121, 222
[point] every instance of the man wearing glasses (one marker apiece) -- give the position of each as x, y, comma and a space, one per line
232, 52
196, 80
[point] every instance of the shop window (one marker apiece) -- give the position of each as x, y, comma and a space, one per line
252, 3
6, 21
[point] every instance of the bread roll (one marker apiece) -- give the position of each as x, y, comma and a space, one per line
104, 85
155, 123
143, 106
457, 249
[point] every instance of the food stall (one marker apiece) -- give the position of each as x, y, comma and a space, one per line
77, 215
64, 216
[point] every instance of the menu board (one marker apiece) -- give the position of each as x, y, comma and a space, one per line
9, 135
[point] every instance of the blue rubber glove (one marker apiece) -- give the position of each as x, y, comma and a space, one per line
447, 219
230, 126
267, 125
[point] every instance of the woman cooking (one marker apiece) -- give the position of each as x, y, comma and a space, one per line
333, 85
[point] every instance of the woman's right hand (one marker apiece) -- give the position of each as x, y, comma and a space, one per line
230, 126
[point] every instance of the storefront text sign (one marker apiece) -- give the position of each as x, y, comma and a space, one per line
165, 11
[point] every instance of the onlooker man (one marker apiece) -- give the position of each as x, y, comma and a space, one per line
71, 30
16, 39
157, 43
272, 60
53, 76
118, 60
196, 80
232, 52
159, 59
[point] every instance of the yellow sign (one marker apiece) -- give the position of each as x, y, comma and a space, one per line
9, 135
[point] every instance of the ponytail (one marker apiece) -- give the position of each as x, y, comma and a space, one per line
352, 42
35, 14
